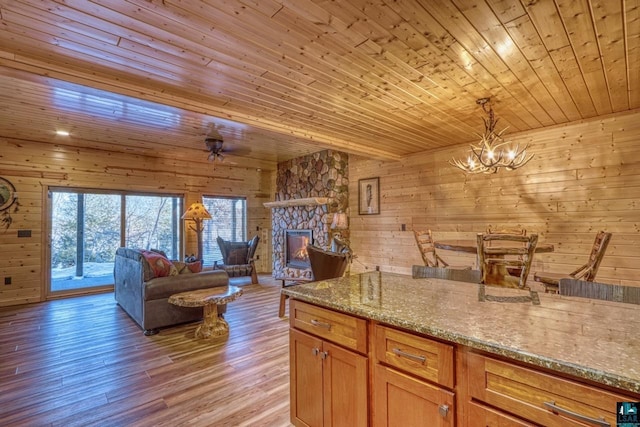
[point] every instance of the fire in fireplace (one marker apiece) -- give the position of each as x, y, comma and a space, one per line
295, 248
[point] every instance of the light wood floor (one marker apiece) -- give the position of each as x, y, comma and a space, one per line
82, 361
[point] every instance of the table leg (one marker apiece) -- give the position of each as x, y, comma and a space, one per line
212, 325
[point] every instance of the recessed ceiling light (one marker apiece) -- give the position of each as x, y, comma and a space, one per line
62, 133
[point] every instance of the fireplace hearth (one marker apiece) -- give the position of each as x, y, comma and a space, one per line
296, 242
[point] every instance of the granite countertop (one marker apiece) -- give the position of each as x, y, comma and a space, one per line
591, 339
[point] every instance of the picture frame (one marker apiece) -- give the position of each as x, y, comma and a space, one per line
369, 196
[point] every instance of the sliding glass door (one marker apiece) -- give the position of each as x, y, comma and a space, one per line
87, 228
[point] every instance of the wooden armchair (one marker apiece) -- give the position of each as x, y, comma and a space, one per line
237, 258
586, 272
498, 252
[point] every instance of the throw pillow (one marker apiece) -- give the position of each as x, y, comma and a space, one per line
159, 264
181, 267
194, 267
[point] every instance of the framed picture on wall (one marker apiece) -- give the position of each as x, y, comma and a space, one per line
369, 196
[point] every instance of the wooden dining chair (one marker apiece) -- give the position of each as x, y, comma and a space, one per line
423, 271
497, 252
514, 271
586, 272
424, 239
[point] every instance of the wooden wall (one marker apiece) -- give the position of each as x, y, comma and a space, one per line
585, 177
32, 167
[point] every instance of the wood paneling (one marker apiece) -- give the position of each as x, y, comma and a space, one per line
82, 361
284, 79
584, 178
32, 167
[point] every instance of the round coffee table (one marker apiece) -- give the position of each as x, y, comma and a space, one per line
212, 324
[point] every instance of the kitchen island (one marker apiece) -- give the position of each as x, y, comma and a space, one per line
503, 360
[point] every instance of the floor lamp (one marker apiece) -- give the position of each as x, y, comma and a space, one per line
197, 213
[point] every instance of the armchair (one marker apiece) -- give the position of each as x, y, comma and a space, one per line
237, 258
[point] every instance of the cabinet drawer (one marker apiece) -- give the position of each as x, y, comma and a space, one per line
339, 328
481, 415
539, 397
423, 357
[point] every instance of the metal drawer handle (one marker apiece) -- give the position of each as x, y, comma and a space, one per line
415, 357
319, 324
597, 421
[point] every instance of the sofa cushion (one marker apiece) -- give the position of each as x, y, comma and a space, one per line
160, 265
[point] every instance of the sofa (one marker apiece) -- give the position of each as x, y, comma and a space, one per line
237, 258
144, 281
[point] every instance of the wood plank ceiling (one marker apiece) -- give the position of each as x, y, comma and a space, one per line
281, 78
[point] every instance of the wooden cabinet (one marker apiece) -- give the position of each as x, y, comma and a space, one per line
402, 400
328, 381
539, 397
401, 395
420, 381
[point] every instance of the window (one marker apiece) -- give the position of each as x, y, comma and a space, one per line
228, 220
87, 228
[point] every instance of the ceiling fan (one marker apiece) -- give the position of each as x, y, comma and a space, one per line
215, 148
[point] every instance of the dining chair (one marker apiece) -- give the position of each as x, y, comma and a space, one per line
424, 239
603, 291
514, 271
497, 252
586, 272
423, 271
324, 265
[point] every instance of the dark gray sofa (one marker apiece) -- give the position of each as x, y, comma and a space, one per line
145, 297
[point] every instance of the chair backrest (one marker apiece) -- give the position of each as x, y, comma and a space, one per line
237, 253
422, 271
506, 230
507, 250
588, 271
326, 264
424, 239
603, 291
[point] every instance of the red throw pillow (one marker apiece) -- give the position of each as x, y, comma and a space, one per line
159, 264
195, 267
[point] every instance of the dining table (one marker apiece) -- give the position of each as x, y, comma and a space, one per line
471, 246
499, 275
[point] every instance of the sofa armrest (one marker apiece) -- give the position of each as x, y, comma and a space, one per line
164, 287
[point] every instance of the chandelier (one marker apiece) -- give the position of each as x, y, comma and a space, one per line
493, 152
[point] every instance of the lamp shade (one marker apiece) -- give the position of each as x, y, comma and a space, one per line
340, 221
196, 211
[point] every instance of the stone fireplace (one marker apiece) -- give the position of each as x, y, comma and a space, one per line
309, 190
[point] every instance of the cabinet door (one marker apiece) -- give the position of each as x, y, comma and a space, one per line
306, 379
401, 400
345, 387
